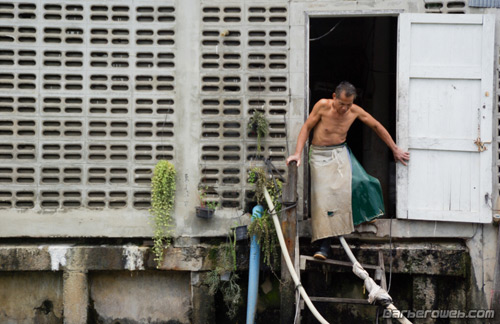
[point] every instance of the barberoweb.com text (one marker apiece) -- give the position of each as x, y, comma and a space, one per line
440, 313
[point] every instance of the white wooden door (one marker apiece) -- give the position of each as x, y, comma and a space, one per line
445, 99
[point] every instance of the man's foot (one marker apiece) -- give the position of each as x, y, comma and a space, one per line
324, 249
320, 255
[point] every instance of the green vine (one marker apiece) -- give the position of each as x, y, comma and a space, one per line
263, 228
257, 176
162, 203
225, 258
258, 123
231, 293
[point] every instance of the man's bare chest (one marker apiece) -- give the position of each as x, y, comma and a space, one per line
333, 124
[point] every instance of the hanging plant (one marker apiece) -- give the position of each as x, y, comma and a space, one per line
206, 208
258, 123
162, 203
225, 258
263, 228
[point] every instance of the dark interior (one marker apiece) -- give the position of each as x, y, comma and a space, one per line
361, 50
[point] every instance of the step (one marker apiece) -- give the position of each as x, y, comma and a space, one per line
306, 258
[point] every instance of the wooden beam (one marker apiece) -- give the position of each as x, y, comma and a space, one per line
289, 228
340, 300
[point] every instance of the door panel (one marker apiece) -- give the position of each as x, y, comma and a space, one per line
445, 87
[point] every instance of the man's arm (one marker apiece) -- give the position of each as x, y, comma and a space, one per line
399, 154
312, 120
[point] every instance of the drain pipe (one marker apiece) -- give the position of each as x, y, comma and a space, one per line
395, 313
253, 270
289, 263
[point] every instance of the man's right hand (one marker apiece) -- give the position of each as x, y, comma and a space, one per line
294, 157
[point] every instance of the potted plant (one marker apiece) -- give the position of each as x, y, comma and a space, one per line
240, 232
162, 203
207, 208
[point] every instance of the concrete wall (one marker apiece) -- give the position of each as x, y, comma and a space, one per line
102, 284
81, 132
31, 297
136, 83
149, 296
112, 283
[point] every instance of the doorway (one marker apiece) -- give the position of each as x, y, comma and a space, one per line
363, 51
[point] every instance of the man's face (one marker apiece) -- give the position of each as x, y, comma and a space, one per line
342, 103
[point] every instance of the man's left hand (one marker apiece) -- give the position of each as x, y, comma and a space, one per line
401, 156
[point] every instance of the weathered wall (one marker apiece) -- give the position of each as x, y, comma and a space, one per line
89, 105
111, 283
151, 297
31, 297
102, 284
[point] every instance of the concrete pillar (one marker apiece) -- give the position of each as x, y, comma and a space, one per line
75, 297
202, 302
424, 296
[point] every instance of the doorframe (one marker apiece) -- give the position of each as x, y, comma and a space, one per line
307, 98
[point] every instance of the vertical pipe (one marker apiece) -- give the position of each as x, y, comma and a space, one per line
253, 270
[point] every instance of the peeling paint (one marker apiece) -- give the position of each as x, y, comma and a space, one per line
134, 258
57, 256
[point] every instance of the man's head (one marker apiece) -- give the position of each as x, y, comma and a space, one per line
347, 88
343, 97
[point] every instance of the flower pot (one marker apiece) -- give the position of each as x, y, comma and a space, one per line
204, 212
241, 232
225, 276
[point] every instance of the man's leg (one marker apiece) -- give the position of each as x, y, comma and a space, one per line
324, 249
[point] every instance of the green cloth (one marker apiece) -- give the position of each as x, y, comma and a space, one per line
367, 200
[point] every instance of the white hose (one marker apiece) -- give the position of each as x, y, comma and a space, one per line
394, 311
289, 263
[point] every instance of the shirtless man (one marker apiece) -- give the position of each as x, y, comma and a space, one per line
332, 118
338, 198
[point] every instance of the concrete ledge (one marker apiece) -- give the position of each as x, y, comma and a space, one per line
401, 228
450, 259
95, 258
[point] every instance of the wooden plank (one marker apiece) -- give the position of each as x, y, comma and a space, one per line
447, 111
445, 19
487, 100
290, 189
456, 216
335, 262
339, 300
436, 174
449, 72
289, 228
